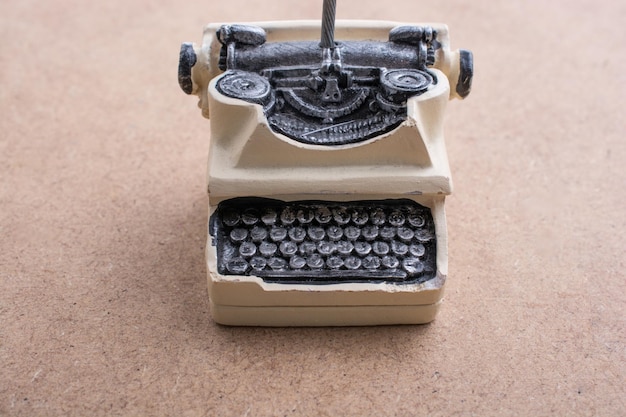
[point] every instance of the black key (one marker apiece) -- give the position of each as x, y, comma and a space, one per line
341, 216
250, 216
247, 249
288, 248
316, 233
371, 262
288, 216
405, 233
388, 233
412, 265
277, 264
269, 216
230, 218
258, 233
344, 247
307, 248
370, 232
323, 215
314, 261
326, 248
297, 234
239, 234
359, 217
399, 248
380, 248
334, 232
352, 262
258, 263
417, 250
378, 217
424, 235
362, 248
390, 262
297, 262
237, 266
334, 262
278, 234
352, 233
305, 216
396, 218
267, 249
415, 219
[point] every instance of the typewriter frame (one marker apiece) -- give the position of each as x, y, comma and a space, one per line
247, 158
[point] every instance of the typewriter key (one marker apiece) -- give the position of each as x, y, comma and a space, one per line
390, 262
269, 217
362, 248
239, 234
288, 216
323, 215
370, 232
297, 262
247, 249
305, 216
237, 266
315, 261
352, 233
417, 249
412, 265
424, 235
316, 233
258, 233
334, 262
250, 216
378, 217
326, 248
307, 248
405, 233
344, 247
278, 234
359, 217
341, 216
334, 232
267, 249
258, 263
230, 218
416, 219
371, 262
388, 233
297, 234
288, 248
399, 248
396, 218
352, 262
277, 264
380, 248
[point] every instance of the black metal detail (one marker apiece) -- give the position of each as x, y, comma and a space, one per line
321, 242
186, 61
333, 93
246, 86
464, 85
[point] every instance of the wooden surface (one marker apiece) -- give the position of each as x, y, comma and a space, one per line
103, 299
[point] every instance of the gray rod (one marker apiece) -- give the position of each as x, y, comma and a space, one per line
328, 24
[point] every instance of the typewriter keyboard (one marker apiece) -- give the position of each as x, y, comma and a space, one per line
325, 242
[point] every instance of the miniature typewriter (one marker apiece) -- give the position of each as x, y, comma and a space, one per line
327, 168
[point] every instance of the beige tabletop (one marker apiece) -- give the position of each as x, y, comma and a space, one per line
103, 297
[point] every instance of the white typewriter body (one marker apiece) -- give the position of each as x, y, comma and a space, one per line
247, 158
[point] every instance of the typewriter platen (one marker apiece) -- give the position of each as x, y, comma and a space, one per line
327, 168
